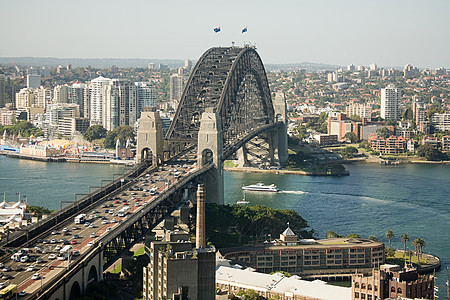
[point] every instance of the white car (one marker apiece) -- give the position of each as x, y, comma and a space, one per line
52, 256
36, 276
2, 285
105, 222
30, 269
90, 244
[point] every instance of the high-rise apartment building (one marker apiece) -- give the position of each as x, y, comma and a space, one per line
25, 98
120, 104
389, 102
43, 97
176, 87
146, 96
96, 99
33, 81
2, 90
61, 94
76, 95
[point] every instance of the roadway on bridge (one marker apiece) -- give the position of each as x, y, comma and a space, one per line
99, 221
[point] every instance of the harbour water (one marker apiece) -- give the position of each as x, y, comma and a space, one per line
407, 198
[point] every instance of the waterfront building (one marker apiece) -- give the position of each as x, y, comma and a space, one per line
392, 282
389, 102
175, 265
310, 258
2, 90
96, 99
176, 87
441, 122
40, 151
390, 145
360, 110
233, 279
430, 140
326, 139
33, 81
12, 214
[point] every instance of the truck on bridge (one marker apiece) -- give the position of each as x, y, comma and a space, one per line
64, 252
80, 219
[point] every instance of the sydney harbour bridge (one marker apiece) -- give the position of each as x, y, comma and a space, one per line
226, 111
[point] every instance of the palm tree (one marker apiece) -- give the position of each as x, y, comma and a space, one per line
420, 244
409, 253
405, 239
389, 235
415, 243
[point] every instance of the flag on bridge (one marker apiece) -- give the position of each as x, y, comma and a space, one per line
217, 29
245, 29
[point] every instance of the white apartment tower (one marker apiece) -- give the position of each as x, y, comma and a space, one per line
2, 91
120, 105
389, 102
96, 99
176, 87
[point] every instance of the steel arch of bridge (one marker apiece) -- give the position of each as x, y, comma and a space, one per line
232, 80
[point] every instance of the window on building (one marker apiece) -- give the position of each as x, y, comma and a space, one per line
375, 288
356, 284
369, 287
399, 290
363, 286
356, 295
393, 289
369, 297
363, 296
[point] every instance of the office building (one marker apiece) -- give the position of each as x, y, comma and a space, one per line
392, 282
96, 99
61, 94
59, 111
176, 87
2, 90
33, 81
389, 102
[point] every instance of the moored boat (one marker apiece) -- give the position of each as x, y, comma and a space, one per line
260, 187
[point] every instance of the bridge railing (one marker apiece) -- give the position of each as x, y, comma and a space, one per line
17, 239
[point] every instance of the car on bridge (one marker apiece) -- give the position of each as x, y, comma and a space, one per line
36, 276
52, 256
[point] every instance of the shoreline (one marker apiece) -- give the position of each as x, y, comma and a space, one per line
283, 171
64, 159
394, 162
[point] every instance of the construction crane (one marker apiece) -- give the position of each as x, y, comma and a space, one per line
17, 68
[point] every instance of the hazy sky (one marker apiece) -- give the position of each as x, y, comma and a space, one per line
341, 32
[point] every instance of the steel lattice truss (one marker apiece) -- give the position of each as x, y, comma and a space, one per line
233, 81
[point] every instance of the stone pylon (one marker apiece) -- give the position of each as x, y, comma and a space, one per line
150, 142
210, 150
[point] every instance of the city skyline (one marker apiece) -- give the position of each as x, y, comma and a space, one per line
341, 33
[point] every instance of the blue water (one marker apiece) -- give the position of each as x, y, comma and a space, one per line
48, 183
408, 198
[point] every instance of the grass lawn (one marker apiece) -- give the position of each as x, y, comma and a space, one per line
399, 259
117, 270
331, 242
139, 252
230, 164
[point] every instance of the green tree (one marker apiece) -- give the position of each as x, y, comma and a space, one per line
390, 122
390, 253
405, 239
94, 132
384, 132
390, 235
409, 254
349, 152
351, 137
429, 152
408, 114
373, 238
121, 133
331, 234
353, 235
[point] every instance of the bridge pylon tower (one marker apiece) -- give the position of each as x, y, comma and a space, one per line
210, 150
150, 142
280, 109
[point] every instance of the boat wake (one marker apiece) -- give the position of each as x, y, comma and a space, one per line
293, 192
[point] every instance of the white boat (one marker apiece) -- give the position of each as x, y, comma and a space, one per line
260, 187
243, 201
